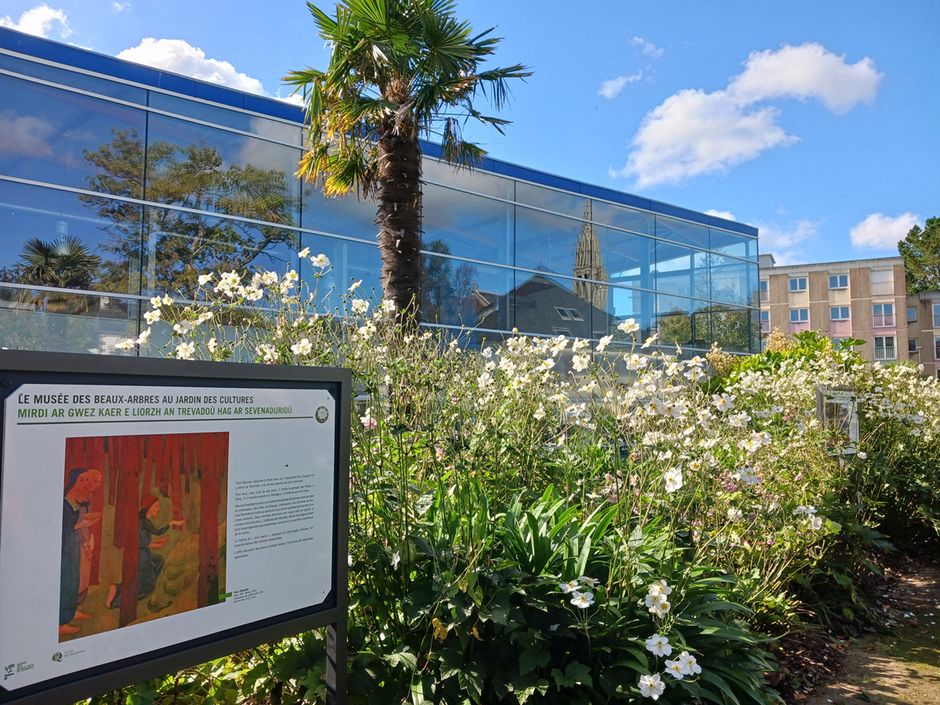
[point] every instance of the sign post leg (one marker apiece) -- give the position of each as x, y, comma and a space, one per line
336, 663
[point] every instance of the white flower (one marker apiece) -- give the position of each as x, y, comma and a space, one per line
267, 352
359, 306
747, 475
183, 327
144, 336
355, 285
152, 316
658, 605
204, 279
723, 402
659, 645
689, 664
396, 559
126, 344
185, 351
815, 522
862, 455
212, 345
735, 514
659, 587
570, 586
303, 347
629, 326
320, 260
673, 479
304, 253
649, 341
604, 342
652, 686
166, 301
539, 413
590, 582
580, 363
675, 669
156, 301
582, 600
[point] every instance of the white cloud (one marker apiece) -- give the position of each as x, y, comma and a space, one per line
648, 48
179, 56
727, 215
611, 88
882, 232
25, 135
803, 72
39, 21
694, 132
120, 6
787, 244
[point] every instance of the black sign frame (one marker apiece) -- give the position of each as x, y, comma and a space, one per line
22, 367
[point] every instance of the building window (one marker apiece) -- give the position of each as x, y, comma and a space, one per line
884, 348
912, 314
838, 281
936, 315
765, 321
799, 315
569, 314
798, 284
839, 313
912, 346
936, 348
763, 290
882, 315
882, 282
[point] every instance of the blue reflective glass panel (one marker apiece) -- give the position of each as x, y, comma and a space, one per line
552, 200
179, 246
731, 280
51, 135
623, 217
555, 306
261, 126
463, 225
348, 215
209, 169
465, 294
550, 243
60, 239
93, 84
682, 231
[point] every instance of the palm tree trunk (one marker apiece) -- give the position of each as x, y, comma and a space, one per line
399, 220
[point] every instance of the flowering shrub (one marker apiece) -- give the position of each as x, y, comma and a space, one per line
547, 520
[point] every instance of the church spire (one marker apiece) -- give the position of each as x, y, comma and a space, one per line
588, 264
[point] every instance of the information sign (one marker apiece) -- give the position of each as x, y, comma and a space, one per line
155, 514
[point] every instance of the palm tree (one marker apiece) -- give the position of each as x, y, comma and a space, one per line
65, 263
399, 70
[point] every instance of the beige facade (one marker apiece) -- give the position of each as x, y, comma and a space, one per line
924, 317
864, 299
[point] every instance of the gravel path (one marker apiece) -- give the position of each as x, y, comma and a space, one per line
895, 669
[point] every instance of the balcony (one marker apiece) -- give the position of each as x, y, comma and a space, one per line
882, 289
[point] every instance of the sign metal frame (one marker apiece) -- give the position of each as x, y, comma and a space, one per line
27, 367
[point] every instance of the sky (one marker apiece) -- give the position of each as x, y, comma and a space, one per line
817, 122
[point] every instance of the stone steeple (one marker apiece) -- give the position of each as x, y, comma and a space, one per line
588, 264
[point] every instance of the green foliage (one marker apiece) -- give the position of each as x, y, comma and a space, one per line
921, 252
523, 519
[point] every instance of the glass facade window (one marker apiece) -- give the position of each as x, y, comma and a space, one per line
763, 288
798, 284
936, 315
885, 347
765, 321
799, 315
136, 190
839, 313
838, 281
882, 315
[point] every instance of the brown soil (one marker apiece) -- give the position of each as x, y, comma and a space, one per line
901, 667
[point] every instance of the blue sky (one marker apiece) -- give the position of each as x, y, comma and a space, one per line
815, 121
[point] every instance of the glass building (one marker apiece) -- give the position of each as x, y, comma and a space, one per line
119, 181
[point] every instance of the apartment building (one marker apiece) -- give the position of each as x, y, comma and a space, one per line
864, 299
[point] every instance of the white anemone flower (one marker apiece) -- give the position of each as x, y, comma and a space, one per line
675, 669
689, 664
582, 600
569, 587
658, 645
302, 347
604, 342
652, 686
673, 479
359, 306
185, 351
579, 363
629, 326
320, 260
